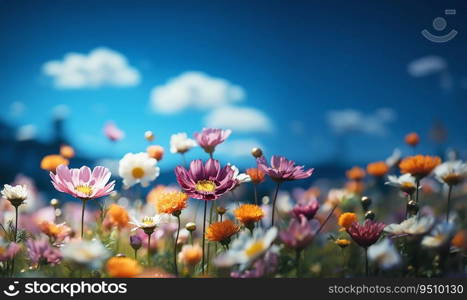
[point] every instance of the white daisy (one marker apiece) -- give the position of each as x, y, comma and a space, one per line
180, 143
440, 236
15, 194
240, 177
451, 172
138, 168
247, 248
395, 157
146, 223
405, 183
90, 253
384, 254
412, 226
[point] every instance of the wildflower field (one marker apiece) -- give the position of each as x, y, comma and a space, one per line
403, 217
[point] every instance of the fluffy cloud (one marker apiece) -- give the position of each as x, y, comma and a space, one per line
351, 120
101, 67
239, 119
426, 65
194, 90
26, 132
238, 148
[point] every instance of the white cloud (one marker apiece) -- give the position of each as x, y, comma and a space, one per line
238, 148
426, 65
101, 67
351, 120
239, 119
194, 90
26, 132
17, 109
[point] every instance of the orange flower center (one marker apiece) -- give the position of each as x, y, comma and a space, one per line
137, 172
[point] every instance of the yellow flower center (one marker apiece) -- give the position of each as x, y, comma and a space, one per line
148, 221
205, 186
84, 189
137, 172
256, 248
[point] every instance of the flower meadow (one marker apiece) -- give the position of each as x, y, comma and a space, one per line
403, 216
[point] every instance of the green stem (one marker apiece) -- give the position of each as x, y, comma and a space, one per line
449, 202
204, 232
82, 218
175, 247
274, 204
256, 193
297, 262
367, 272
136, 254
15, 239
149, 249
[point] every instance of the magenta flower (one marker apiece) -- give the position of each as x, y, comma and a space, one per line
7, 252
206, 182
282, 169
41, 251
299, 234
263, 267
82, 183
306, 207
112, 132
367, 234
209, 138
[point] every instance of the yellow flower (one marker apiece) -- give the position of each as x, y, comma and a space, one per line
249, 213
377, 169
342, 242
118, 216
51, 162
356, 173
419, 166
221, 231
123, 267
171, 202
347, 219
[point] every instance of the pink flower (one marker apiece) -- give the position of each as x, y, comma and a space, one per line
40, 251
307, 207
367, 234
8, 252
282, 169
112, 132
299, 234
209, 138
82, 183
206, 182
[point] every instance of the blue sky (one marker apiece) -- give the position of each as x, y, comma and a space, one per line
295, 61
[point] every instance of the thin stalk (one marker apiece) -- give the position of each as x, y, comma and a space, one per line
175, 247
274, 203
149, 249
449, 202
204, 232
416, 191
367, 272
255, 189
325, 221
136, 254
209, 245
82, 217
15, 239
297, 262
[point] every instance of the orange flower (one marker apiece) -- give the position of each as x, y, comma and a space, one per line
51, 162
377, 169
347, 219
58, 232
171, 202
356, 173
460, 240
117, 215
155, 151
355, 187
256, 175
412, 139
123, 267
249, 213
419, 166
155, 194
67, 151
190, 255
221, 231
342, 242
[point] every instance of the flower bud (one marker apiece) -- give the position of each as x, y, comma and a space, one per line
257, 152
149, 136
369, 215
221, 210
54, 202
190, 226
135, 242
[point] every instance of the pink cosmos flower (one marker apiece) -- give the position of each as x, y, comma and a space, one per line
112, 132
282, 169
82, 183
367, 234
209, 138
299, 234
206, 182
40, 251
9, 251
307, 207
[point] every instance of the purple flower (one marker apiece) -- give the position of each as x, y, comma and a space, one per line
136, 242
367, 234
9, 251
209, 138
205, 182
40, 251
306, 207
299, 234
264, 266
282, 169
